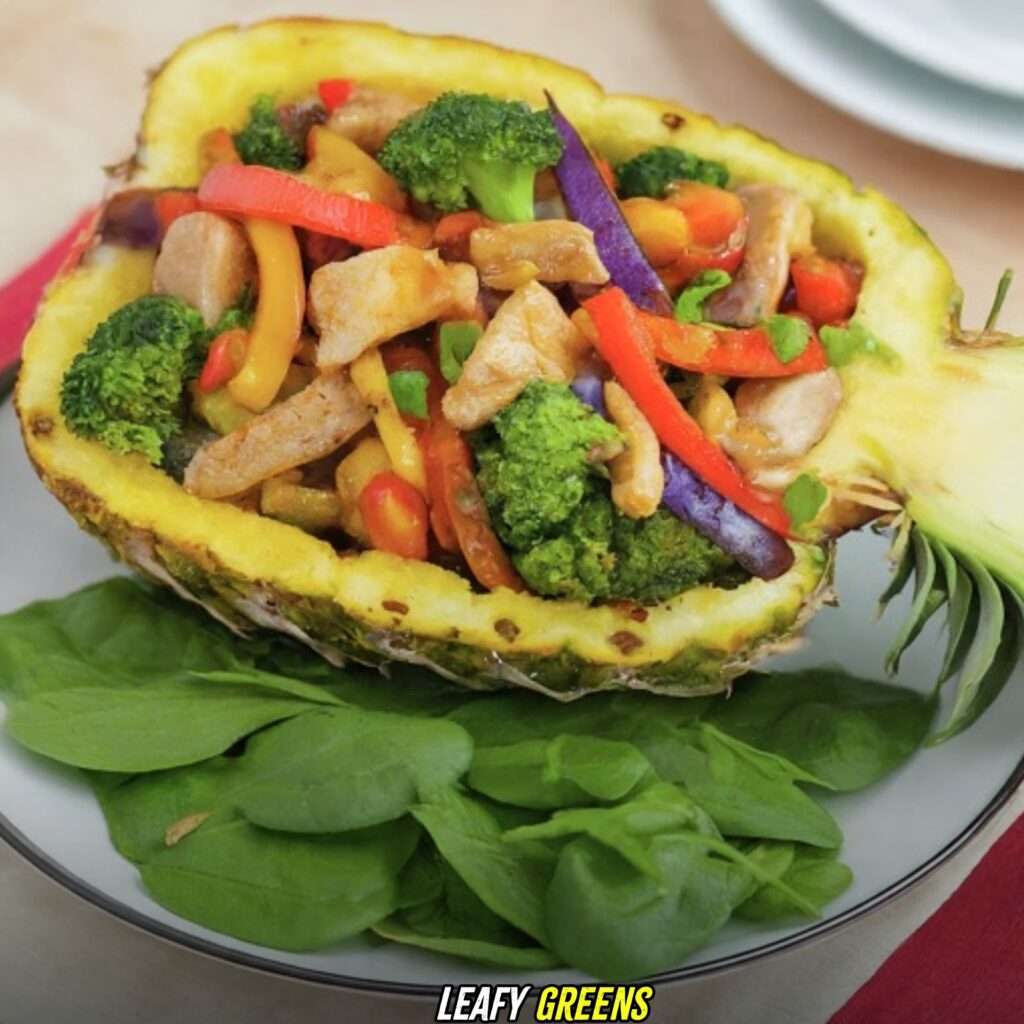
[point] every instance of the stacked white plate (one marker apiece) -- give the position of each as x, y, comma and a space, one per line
946, 73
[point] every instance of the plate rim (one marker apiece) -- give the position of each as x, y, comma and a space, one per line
735, 16
56, 872
911, 49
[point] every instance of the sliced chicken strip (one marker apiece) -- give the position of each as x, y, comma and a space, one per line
205, 260
638, 480
377, 295
779, 228
530, 337
369, 116
781, 420
309, 425
558, 250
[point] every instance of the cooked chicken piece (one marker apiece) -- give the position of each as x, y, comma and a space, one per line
558, 250
638, 481
780, 420
205, 260
309, 425
779, 229
378, 294
530, 337
368, 116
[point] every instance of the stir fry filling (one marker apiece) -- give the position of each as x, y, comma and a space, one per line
456, 333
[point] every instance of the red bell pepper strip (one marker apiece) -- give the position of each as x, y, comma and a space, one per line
173, 203
826, 290
486, 558
728, 353
256, 191
626, 346
335, 92
224, 359
395, 515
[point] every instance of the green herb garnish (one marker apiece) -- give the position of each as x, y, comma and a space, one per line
458, 338
409, 390
690, 303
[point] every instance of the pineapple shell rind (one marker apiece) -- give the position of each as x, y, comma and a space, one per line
374, 608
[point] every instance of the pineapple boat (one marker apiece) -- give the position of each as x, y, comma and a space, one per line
460, 361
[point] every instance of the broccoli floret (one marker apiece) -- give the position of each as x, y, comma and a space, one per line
469, 145
660, 556
651, 172
578, 562
125, 390
601, 554
543, 481
535, 461
264, 141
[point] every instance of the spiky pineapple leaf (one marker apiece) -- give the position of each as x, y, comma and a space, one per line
900, 577
984, 619
976, 692
929, 596
961, 616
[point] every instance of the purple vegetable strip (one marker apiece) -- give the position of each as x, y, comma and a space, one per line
593, 204
760, 551
589, 389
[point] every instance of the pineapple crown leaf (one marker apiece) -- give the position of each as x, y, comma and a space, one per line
984, 624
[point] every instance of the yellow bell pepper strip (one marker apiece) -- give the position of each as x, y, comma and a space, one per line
251, 190
626, 346
371, 379
279, 311
337, 164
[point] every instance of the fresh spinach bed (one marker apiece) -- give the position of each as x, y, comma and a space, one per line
264, 794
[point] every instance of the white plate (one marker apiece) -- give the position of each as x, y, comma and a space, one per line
895, 832
981, 44
806, 43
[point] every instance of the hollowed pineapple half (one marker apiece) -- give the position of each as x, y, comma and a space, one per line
933, 434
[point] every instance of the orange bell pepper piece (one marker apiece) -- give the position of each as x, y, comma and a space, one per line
826, 290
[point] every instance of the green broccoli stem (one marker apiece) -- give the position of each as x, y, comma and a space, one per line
503, 190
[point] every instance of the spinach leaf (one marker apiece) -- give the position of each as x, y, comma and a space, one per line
509, 878
114, 633
162, 725
627, 827
815, 874
502, 719
141, 811
271, 681
490, 954
607, 918
345, 768
567, 771
455, 921
846, 731
286, 891
750, 793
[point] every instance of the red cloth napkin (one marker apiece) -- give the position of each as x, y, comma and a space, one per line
965, 964
20, 296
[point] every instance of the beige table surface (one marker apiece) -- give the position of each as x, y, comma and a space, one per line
71, 80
